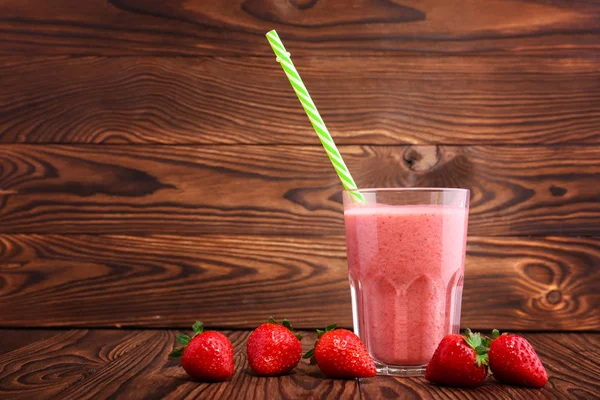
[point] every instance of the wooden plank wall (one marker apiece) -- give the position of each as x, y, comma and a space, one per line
155, 166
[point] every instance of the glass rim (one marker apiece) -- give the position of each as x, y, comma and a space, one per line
413, 189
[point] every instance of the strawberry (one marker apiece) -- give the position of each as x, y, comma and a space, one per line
459, 360
206, 356
273, 349
514, 361
339, 353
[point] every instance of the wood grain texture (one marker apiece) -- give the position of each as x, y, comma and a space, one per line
560, 353
88, 364
197, 27
65, 361
373, 100
285, 190
168, 281
237, 281
11, 339
532, 284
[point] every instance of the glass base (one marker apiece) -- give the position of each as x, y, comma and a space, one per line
400, 370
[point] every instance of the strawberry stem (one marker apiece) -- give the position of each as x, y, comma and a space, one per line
286, 323
177, 352
480, 345
198, 327
311, 353
184, 339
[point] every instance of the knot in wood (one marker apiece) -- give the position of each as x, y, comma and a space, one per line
421, 158
554, 297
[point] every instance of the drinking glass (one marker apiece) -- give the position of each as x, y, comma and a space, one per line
406, 253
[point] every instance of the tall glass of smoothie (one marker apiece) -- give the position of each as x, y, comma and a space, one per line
406, 252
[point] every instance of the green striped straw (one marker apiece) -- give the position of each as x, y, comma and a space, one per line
283, 58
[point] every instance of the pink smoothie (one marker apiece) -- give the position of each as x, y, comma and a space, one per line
406, 266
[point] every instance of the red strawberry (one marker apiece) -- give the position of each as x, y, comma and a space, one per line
339, 353
459, 360
206, 356
514, 361
273, 349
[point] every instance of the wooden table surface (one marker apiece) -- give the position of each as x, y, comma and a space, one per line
134, 364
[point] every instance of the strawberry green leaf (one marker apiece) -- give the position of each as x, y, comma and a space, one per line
287, 324
183, 339
309, 354
481, 359
330, 327
495, 334
480, 345
482, 349
198, 327
487, 342
298, 336
177, 352
473, 339
272, 320
320, 333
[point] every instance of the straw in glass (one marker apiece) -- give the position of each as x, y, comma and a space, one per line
283, 57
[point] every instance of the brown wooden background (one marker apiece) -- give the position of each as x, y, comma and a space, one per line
155, 166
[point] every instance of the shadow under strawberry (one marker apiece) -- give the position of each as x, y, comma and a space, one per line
248, 371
